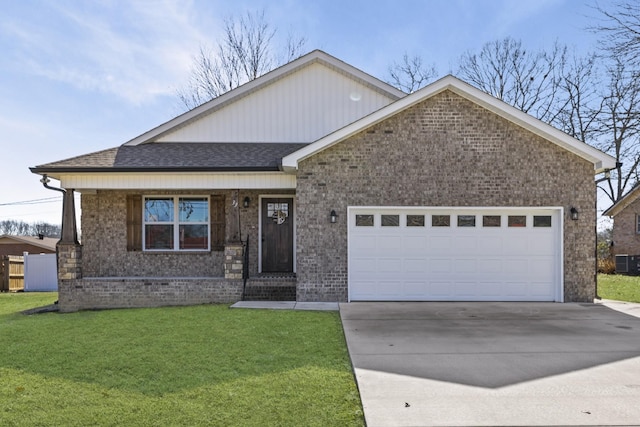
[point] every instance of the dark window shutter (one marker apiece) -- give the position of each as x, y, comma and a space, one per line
217, 223
134, 222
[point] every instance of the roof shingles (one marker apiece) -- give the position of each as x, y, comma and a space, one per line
181, 156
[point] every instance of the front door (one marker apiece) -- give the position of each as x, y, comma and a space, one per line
277, 235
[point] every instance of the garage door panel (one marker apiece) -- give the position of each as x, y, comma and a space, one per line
515, 267
440, 288
540, 245
414, 289
490, 266
516, 289
490, 244
465, 265
540, 289
490, 289
440, 265
415, 266
515, 243
389, 241
465, 289
362, 266
440, 245
414, 244
490, 262
389, 265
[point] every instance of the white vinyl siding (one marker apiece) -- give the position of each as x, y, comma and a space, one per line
302, 107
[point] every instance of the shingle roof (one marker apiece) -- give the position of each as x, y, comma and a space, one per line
45, 243
623, 202
178, 157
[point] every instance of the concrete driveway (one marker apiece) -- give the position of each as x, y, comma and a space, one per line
460, 364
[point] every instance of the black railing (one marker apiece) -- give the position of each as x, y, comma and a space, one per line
245, 266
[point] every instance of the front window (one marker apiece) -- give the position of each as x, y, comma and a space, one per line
176, 223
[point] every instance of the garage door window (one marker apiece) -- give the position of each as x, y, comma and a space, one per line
491, 220
440, 220
517, 221
415, 220
364, 220
390, 220
466, 220
542, 221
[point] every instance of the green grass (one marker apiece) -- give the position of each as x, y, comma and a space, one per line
203, 365
619, 287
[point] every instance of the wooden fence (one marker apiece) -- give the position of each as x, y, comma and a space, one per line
11, 273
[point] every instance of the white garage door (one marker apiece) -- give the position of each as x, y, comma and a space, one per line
470, 254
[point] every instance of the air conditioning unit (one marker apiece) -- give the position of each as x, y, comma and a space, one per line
628, 264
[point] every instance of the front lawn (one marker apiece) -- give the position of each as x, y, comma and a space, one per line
203, 365
619, 287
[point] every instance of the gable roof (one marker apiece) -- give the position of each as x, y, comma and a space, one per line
631, 196
48, 243
316, 56
600, 160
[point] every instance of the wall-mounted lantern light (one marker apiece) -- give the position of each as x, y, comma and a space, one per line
246, 201
574, 213
333, 216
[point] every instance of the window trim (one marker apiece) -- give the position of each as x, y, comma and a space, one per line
176, 223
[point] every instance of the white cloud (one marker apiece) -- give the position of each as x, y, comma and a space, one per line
134, 50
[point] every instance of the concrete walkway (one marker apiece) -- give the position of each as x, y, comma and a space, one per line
472, 364
288, 305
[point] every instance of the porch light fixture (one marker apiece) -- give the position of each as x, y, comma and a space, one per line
333, 216
574, 213
246, 201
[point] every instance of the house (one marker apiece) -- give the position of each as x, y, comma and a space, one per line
17, 245
626, 223
319, 177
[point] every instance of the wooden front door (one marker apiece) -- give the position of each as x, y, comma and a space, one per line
277, 235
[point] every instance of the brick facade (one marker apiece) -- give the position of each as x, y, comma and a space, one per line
101, 293
445, 151
626, 240
113, 277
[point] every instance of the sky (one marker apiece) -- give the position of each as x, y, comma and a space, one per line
78, 76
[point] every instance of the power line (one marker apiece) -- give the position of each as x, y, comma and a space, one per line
33, 202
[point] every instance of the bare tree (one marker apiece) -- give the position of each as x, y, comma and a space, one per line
619, 31
21, 228
525, 79
246, 52
579, 104
619, 36
620, 128
410, 74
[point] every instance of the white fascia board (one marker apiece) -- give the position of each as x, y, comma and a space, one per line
600, 160
89, 182
253, 85
623, 202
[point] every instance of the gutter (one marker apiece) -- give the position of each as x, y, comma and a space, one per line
69, 234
